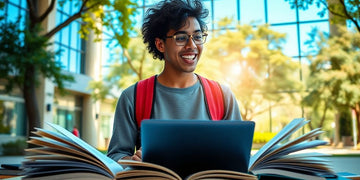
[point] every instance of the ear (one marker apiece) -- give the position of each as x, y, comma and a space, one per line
159, 43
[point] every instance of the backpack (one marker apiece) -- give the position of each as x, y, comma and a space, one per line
145, 92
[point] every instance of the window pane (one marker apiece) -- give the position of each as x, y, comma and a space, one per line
150, 2
58, 19
73, 62
252, 12
64, 58
305, 29
65, 36
23, 15
207, 5
139, 2
23, 4
224, 9
13, 13
279, 11
311, 14
138, 18
17, 2
290, 48
66, 7
74, 40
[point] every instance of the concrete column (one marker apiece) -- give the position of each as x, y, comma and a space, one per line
90, 125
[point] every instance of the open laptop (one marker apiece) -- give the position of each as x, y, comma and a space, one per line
189, 146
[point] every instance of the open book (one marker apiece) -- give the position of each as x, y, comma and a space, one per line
62, 155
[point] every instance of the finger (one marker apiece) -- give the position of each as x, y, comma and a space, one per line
138, 153
135, 158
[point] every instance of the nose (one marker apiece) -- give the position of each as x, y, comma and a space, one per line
190, 43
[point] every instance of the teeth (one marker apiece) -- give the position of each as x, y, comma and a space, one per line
188, 56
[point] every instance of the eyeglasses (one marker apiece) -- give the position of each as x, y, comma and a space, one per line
182, 39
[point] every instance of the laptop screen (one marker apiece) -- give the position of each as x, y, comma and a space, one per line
190, 146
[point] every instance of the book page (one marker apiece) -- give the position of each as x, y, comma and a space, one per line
284, 173
51, 145
294, 145
111, 164
69, 150
67, 155
144, 173
305, 161
221, 174
137, 164
72, 176
284, 133
60, 167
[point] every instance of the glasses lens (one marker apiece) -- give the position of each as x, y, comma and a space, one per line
198, 38
181, 39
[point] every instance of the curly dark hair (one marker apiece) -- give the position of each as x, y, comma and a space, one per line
170, 14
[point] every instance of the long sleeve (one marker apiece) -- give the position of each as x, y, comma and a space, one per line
232, 111
124, 136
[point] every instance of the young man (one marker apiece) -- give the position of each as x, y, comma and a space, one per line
174, 31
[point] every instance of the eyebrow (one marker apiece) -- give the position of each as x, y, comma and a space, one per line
184, 32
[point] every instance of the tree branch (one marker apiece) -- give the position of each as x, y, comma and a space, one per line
348, 15
142, 63
332, 11
62, 25
129, 61
33, 17
48, 10
72, 18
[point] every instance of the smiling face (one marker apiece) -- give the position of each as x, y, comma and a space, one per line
181, 59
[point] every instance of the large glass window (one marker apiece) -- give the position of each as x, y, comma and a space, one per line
12, 109
68, 111
12, 116
68, 40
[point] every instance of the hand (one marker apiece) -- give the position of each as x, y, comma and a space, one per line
137, 156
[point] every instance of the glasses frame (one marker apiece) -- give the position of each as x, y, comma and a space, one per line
188, 37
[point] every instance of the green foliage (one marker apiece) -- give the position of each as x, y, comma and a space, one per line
334, 79
263, 137
340, 9
14, 147
115, 16
251, 61
23, 49
335, 70
131, 65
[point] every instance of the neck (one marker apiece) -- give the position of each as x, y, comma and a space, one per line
183, 80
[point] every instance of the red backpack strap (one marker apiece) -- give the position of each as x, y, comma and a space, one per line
144, 94
213, 98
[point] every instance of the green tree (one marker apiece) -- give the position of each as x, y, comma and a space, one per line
341, 10
251, 61
24, 54
131, 65
335, 72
